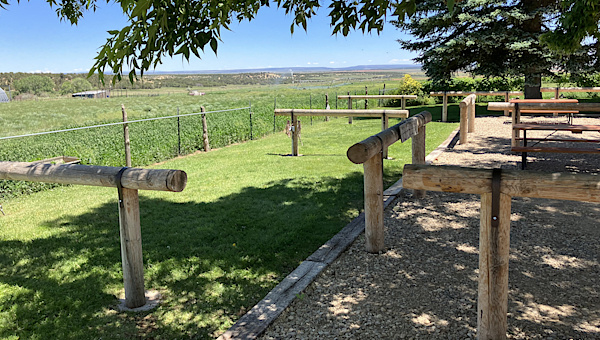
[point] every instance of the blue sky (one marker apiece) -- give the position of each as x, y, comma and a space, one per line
34, 40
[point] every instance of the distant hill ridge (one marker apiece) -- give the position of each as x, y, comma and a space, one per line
297, 69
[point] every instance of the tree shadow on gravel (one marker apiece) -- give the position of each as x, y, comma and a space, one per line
425, 285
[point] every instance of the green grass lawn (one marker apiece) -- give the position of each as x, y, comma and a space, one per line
248, 217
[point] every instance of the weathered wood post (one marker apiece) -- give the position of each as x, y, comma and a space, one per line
204, 130
494, 244
131, 247
349, 107
445, 107
507, 99
327, 106
373, 186
471, 110
385, 121
127, 181
294, 134
126, 137
464, 117
366, 99
369, 153
418, 153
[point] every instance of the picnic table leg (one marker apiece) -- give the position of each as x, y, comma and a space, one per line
516, 119
524, 154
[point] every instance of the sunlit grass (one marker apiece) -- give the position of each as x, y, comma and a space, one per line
247, 218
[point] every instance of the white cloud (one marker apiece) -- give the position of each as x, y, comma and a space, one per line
395, 61
332, 62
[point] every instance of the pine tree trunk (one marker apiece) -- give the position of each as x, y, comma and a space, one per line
533, 84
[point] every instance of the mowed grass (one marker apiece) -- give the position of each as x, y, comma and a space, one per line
248, 217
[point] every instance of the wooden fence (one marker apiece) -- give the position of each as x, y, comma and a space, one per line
467, 117
127, 181
506, 94
295, 113
496, 188
369, 153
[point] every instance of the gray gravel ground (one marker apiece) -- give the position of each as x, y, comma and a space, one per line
425, 285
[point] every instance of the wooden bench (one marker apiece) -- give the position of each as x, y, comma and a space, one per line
524, 149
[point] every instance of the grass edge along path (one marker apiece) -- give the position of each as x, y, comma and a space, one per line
248, 217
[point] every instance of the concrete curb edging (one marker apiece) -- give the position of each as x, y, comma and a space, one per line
256, 321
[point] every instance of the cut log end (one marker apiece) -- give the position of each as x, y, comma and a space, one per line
176, 180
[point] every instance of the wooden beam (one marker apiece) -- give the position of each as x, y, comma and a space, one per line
379, 96
104, 176
131, 248
343, 113
494, 244
126, 137
362, 151
204, 130
477, 93
515, 183
294, 135
418, 154
471, 110
464, 120
374, 232
562, 106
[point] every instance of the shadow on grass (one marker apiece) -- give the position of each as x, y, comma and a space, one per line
211, 261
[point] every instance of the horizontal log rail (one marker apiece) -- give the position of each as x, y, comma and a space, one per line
496, 189
295, 113
104, 176
342, 113
366, 149
402, 97
127, 181
369, 153
585, 107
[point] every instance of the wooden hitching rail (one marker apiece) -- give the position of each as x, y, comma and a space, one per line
369, 153
506, 94
127, 181
295, 113
402, 97
494, 239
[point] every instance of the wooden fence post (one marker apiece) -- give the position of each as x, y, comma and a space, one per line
294, 134
471, 110
131, 247
384, 125
204, 130
418, 155
374, 204
327, 106
366, 99
445, 107
494, 243
464, 117
349, 107
126, 137
507, 99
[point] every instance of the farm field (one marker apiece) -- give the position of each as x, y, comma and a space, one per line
247, 218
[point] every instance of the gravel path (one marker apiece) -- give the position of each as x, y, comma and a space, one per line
425, 285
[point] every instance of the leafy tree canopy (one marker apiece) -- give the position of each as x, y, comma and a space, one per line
35, 84
497, 37
159, 28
